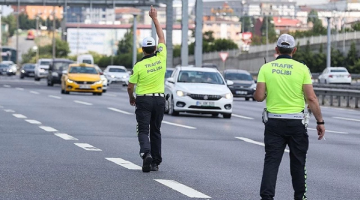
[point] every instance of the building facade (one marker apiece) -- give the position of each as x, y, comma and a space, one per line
43, 12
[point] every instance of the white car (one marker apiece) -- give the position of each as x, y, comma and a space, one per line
198, 90
42, 69
117, 74
103, 78
335, 75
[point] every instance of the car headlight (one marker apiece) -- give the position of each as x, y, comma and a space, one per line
253, 86
41, 70
55, 74
112, 76
125, 76
228, 96
22, 71
10, 70
181, 93
98, 82
70, 81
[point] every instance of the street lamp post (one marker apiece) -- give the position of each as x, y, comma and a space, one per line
0, 34
267, 37
134, 41
77, 37
53, 36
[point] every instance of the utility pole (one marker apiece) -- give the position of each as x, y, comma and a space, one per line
17, 34
267, 37
184, 34
328, 56
0, 34
78, 34
53, 36
134, 41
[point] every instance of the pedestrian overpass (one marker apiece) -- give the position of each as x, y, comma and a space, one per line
107, 3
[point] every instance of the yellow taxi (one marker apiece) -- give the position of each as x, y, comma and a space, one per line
81, 78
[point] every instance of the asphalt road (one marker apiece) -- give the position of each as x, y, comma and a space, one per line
81, 146
24, 44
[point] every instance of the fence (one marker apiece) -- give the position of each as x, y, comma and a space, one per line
351, 97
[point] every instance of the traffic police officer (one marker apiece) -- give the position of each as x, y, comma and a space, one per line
286, 84
149, 74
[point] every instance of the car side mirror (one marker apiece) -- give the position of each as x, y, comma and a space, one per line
255, 81
229, 83
101, 73
171, 80
64, 72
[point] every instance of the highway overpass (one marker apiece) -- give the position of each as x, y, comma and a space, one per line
254, 59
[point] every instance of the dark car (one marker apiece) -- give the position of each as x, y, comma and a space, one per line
4, 69
244, 84
56, 68
27, 70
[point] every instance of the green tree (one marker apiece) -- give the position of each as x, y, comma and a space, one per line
126, 44
355, 68
10, 20
337, 58
246, 24
270, 28
352, 55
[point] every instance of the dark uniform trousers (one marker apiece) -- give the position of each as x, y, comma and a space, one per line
149, 115
278, 133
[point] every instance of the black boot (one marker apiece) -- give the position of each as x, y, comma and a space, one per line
147, 159
154, 167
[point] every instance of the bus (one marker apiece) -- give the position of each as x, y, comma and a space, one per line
9, 54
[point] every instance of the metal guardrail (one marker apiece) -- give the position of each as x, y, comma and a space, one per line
350, 96
333, 86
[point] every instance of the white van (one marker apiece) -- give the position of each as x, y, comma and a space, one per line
42, 69
86, 58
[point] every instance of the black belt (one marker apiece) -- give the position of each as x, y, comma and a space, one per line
151, 95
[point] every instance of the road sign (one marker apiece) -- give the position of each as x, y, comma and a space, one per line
224, 55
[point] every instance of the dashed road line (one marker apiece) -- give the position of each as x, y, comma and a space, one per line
255, 142
48, 128
19, 88
34, 92
83, 102
65, 136
87, 147
240, 116
20, 116
183, 189
9, 110
55, 97
347, 119
120, 111
6, 86
329, 131
33, 121
124, 163
179, 125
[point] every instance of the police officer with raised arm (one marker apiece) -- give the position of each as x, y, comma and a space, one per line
148, 75
286, 84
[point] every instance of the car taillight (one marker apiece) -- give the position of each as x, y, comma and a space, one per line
349, 75
330, 76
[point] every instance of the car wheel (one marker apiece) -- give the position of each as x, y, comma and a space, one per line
21, 77
227, 116
66, 92
253, 99
37, 79
99, 94
94, 93
215, 114
49, 83
104, 91
171, 108
247, 98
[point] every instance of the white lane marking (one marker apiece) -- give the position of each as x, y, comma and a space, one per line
183, 189
313, 129
255, 142
111, 95
65, 136
7, 86
20, 116
240, 116
120, 111
34, 92
179, 125
87, 147
33, 121
8, 110
83, 102
48, 128
124, 163
55, 97
19, 88
347, 119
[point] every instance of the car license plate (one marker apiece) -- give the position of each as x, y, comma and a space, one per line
84, 86
205, 103
340, 76
241, 92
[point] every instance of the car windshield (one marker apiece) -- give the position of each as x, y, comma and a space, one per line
200, 77
117, 70
3, 66
86, 61
338, 70
83, 70
44, 63
29, 66
238, 76
168, 73
61, 66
